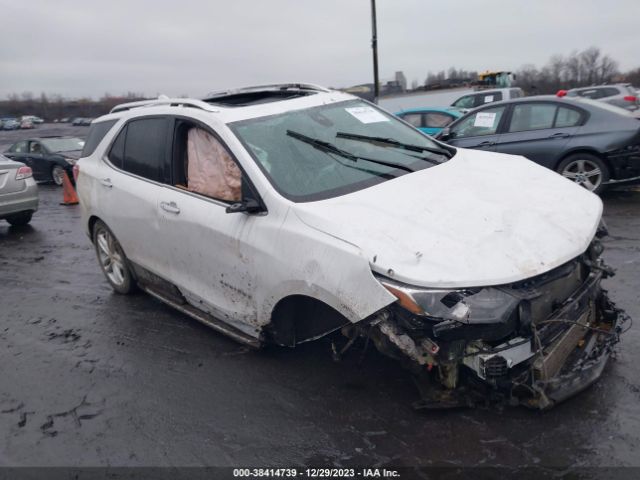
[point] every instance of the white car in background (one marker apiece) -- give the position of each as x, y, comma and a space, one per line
479, 98
284, 213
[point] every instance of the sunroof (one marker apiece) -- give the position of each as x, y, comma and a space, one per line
242, 99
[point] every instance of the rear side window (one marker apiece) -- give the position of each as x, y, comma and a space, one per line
491, 97
116, 155
414, 119
437, 119
567, 117
592, 93
532, 116
97, 131
609, 92
140, 148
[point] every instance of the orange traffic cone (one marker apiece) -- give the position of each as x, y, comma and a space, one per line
69, 196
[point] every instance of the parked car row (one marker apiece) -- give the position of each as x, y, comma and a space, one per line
81, 121
9, 123
593, 143
280, 214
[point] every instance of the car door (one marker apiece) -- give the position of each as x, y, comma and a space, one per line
38, 163
130, 179
478, 129
211, 259
539, 131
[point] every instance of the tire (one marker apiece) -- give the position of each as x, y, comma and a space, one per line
19, 219
113, 262
586, 170
57, 174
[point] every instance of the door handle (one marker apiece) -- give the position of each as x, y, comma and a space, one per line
170, 207
559, 135
486, 144
106, 182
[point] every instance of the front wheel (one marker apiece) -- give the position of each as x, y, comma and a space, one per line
112, 259
586, 170
57, 174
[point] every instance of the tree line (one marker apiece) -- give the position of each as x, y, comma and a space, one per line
57, 107
577, 69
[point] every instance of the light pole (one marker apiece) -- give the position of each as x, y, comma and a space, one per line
374, 46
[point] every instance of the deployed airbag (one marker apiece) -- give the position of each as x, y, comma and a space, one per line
211, 171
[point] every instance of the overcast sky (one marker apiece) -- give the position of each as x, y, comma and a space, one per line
88, 47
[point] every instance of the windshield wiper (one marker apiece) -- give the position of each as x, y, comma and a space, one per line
331, 148
394, 143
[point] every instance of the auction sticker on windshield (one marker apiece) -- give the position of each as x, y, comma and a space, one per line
367, 114
484, 119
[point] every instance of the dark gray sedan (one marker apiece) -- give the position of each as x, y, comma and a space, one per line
48, 157
591, 143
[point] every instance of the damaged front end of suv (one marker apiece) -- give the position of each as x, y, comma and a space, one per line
534, 342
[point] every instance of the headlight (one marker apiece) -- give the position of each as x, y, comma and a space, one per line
467, 306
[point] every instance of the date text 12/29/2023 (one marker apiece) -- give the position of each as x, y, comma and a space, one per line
315, 473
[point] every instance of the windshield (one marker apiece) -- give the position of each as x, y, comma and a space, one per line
331, 150
62, 144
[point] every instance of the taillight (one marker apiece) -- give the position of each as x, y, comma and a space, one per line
76, 172
561, 93
23, 172
631, 98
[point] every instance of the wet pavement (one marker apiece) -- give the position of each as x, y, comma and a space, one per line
88, 377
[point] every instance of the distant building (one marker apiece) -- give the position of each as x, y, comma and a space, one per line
401, 81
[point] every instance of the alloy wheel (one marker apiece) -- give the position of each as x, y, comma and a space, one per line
111, 257
57, 174
584, 172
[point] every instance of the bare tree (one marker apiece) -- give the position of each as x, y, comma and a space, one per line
590, 60
607, 70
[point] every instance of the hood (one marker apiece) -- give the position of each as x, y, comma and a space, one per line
480, 219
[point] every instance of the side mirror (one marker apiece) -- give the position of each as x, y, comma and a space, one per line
248, 205
445, 134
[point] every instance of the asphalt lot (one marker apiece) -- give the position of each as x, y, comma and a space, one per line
90, 378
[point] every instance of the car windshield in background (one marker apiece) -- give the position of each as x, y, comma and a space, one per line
62, 144
326, 151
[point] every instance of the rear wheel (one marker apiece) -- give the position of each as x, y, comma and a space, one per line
112, 259
57, 174
586, 170
19, 219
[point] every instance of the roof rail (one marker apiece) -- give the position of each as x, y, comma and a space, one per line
163, 100
273, 86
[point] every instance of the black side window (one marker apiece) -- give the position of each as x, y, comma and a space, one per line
97, 131
490, 97
116, 154
140, 148
608, 92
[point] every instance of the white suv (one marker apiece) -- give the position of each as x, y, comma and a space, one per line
286, 212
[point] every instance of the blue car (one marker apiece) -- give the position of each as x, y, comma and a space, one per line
430, 120
9, 124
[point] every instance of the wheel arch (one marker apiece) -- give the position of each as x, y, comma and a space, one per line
589, 150
300, 318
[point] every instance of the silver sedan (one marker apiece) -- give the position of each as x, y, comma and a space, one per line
18, 192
